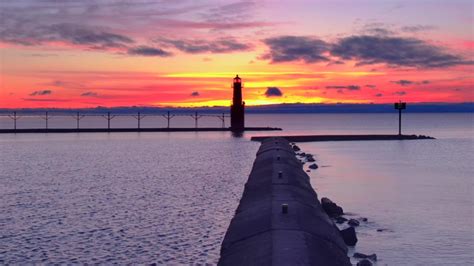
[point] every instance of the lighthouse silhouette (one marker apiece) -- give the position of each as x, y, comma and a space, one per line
237, 109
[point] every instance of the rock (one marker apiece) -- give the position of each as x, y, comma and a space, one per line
308, 171
330, 207
302, 154
364, 262
340, 219
313, 166
364, 219
353, 222
364, 256
310, 159
296, 148
349, 236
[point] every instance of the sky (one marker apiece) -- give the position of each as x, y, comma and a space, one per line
89, 53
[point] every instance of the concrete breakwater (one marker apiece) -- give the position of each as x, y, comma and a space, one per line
308, 138
279, 220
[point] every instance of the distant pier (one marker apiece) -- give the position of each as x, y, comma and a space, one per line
309, 138
107, 130
280, 220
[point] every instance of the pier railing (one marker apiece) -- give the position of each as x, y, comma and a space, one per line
15, 117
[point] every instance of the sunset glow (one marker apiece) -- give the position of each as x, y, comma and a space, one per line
70, 54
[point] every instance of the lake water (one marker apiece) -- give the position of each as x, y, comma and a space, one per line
169, 197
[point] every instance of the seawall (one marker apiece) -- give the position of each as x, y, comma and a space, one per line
279, 220
308, 138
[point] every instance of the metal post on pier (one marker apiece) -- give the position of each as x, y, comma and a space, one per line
400, 106
108, 117
139, 118
222, 118
14, 117
46, 119
168, 118
78, 118
196, 118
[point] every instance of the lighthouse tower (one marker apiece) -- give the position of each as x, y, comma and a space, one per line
237, 108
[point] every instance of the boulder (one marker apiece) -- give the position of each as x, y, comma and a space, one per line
313, 166
364, 256
310, 159
353, 222
364, 262
330, 207
340, 219
296, 148
349, 236
364, 219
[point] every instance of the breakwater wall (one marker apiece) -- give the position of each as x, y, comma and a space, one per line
308, 138
279, 220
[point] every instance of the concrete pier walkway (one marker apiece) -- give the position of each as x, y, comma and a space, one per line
279, 220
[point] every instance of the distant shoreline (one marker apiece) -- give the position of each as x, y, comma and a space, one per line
467, 107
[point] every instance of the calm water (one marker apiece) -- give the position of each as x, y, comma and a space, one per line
168, 198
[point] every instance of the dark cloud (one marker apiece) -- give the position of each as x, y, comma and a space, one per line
273, 92
41, 93
371, 86
418, 28
148, 51
195, 94
214, 26
378, 95
403, 82
376, 28
222, 45
349, 87
379, 31
89, 94
232, 12
296, 48
400, 93
394, 51
229, 16
33, 34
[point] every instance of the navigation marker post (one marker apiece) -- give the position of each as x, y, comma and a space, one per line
400, 106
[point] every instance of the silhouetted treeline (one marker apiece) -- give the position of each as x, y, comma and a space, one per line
276, 108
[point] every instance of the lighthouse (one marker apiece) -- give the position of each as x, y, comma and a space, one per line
237, 109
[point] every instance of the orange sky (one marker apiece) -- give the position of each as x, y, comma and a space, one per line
185, 53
